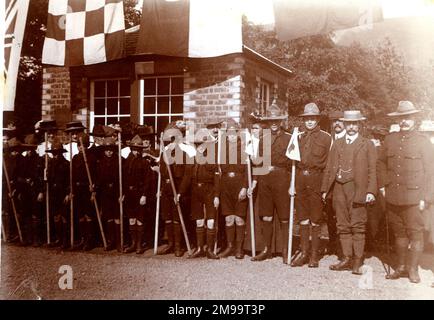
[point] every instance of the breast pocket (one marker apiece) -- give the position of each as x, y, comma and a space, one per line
319, 149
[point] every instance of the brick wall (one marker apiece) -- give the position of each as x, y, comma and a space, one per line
213, 89
64, 96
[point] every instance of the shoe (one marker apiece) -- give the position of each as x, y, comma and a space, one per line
357, 264
343, 265
301, 260
313, 261
400, 272
179, 252
229, 251
239, 252
413, 275
198, 253
211, 255
264, 255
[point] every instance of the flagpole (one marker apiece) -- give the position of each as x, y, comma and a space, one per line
157, 208
251, 209
219, 161
47, 190
71, 195
121, 207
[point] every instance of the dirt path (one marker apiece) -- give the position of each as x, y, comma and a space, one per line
99, 275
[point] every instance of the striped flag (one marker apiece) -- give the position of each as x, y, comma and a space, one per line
299, 18
15, 18
190, 28
293, 150
81, 32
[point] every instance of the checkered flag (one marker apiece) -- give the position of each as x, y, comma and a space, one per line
81, 32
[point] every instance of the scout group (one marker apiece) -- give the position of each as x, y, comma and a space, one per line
343, 173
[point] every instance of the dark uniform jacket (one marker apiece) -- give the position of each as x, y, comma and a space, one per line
31, 177
107, 186
239, 168
406, 168
201, 173
12, 167
364, 168
58, 182
314, 149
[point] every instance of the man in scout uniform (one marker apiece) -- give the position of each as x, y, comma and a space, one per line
351, 176
314, 149
406, 171
204, 180
107, 189
136, 177
58, 184
32, 189
233, 194
74, 129
42, 127
273, 187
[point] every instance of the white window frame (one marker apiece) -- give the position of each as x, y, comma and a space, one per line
264, 95
156, 115
92, 101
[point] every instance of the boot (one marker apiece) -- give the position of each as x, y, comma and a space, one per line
179, 250
88, 240
304, 242
401, 247
118, 237
345, 264
139, 240
285, 229
133, 235
314, 255
239, 240
36, 241
200, 251
169, 248
267, 229
210, 240
416, 249
357, 264
111, 235
230, 235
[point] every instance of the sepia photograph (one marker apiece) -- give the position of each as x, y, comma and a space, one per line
216, 155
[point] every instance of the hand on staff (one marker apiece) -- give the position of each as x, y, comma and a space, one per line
40, 197
142, 200
242, 195
324, 196
93, 196
91, 188
252, 189
155, 168
67, 198
176, 198
121, 199
370, 198
421, 205
12, 193
383, 191
216, 202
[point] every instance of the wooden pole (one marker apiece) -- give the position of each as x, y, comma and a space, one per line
71, 194
47, 190
157, 208
219, 161
3, 232
11, 198
89, 178
175, 194
121, 207
291, 214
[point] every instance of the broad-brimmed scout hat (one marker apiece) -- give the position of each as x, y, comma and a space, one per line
136, 142
231, 124
109, 143
46, 125
30, 141
352, 115
311, 110
12, 144
274, 113
404, 108
74, 126
56, 146
145, 132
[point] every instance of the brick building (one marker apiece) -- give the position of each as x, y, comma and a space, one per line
153, 89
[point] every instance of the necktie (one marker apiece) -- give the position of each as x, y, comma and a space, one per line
348, 141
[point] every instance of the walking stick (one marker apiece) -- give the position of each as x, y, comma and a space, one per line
157, 207
47, 190
251, 209
386, 218
291, 214
89, 178
178, 207
11, 198
3, 232
121, 207
71, 194
219, 154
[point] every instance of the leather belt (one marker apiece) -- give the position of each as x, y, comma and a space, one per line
275, 168
231, 174
308, 172
167, 181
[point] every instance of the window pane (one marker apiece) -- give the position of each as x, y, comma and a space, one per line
163, 86
112, 88
112, 120
176, 118
163, 105
149, 121
112, 106
162, 123
100, 121
124, 105
177, 85
99, 106
125, 88
149, 87
177, 104
99, 88
149, 106
124, 119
